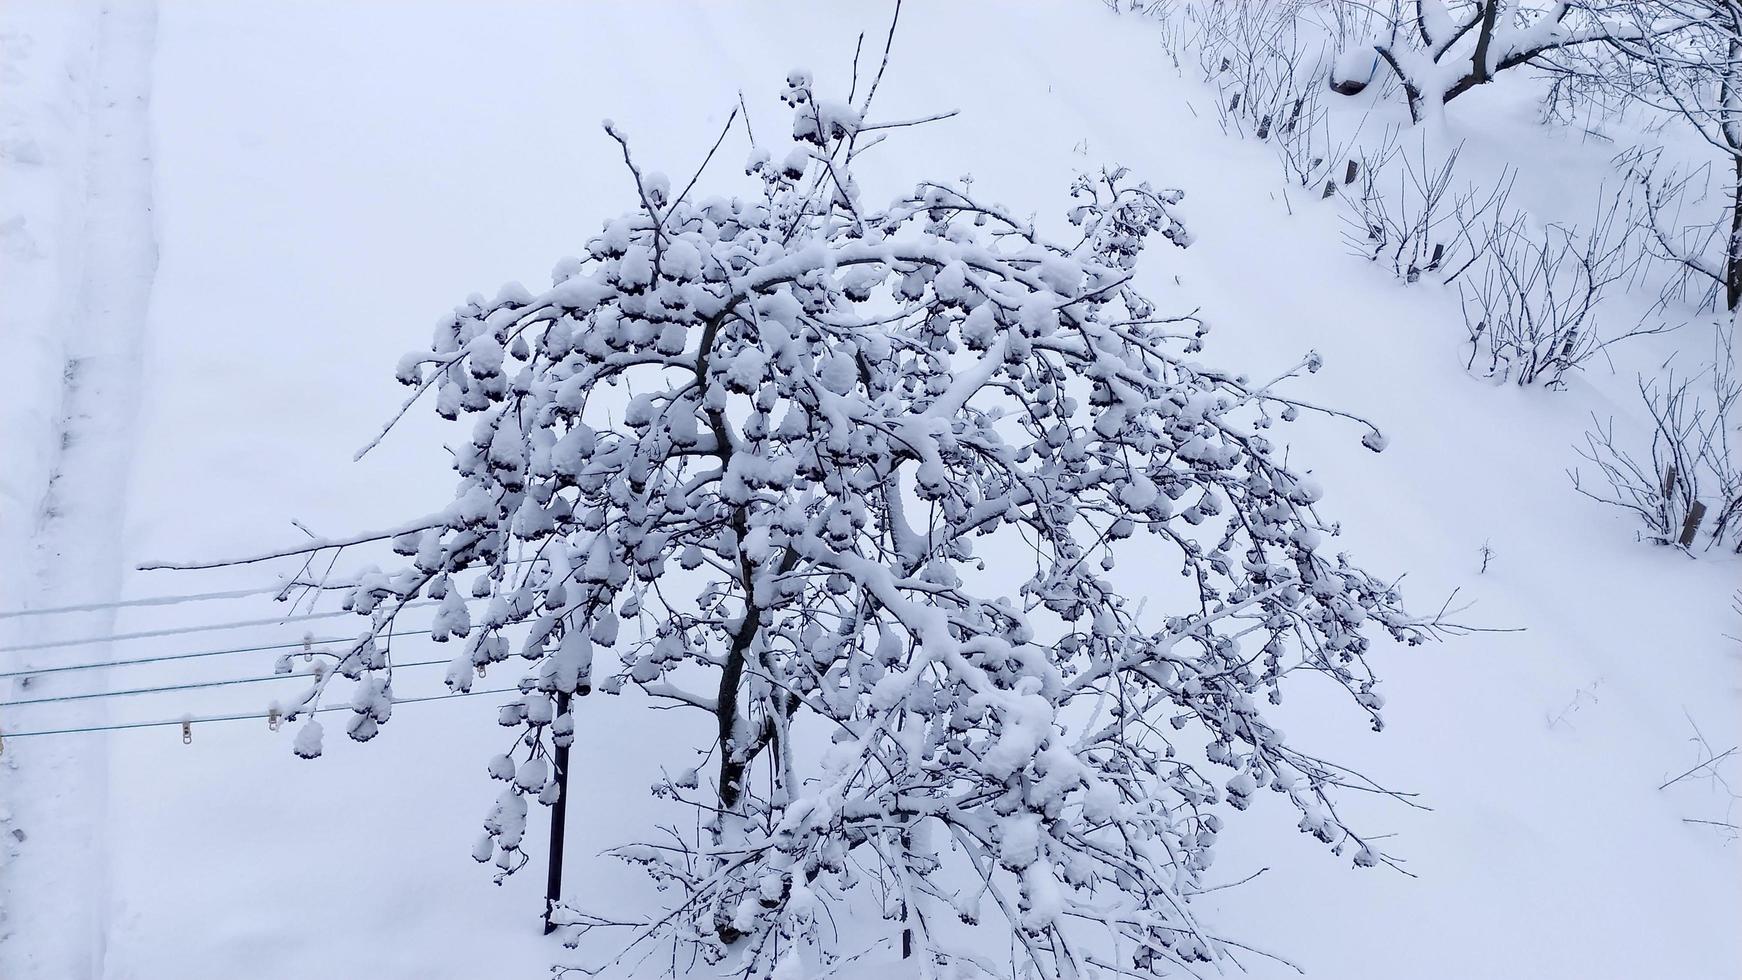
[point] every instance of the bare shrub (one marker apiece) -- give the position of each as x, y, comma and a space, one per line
1532, 312
1259, 63
1410, 214
1267, 62
1687, 486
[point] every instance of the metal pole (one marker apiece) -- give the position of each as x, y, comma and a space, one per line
553, 889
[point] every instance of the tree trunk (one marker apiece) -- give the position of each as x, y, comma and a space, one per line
1730, 126
1733, 251
1484, 37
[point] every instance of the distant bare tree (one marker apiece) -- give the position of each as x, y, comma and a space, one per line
1684, 56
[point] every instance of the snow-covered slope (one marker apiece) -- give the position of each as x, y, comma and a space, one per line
329, 178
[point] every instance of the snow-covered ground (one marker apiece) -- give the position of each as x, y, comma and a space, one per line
202, 318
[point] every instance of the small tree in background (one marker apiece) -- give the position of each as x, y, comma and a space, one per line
1441, 49
853, 483
1694, 73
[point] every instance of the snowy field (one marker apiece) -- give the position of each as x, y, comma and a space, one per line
222, 223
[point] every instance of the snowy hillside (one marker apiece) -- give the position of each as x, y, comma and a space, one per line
223, 224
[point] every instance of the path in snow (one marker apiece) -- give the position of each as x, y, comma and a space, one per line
91, 264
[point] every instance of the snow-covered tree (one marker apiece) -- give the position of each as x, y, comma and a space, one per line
886, 494
1441, 49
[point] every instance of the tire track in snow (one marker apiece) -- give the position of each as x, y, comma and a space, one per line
53, 894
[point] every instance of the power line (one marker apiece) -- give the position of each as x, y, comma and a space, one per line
180, 630
206, 719
160, 600
171, 600
195, 685
165, 658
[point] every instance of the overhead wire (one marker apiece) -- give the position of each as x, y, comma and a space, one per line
171, 600
196, 685
307, 643
183, 630
254, 715
159, 600
198, 654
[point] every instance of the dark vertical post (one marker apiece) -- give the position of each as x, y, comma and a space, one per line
1696, 514
1733, 257
559, 811
906, 930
